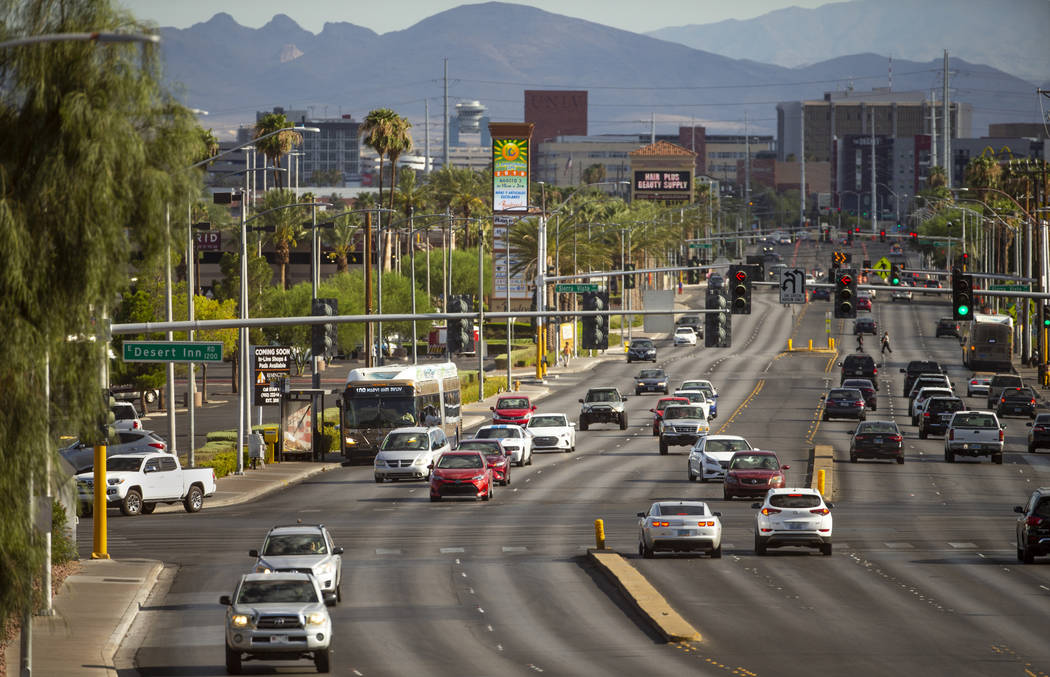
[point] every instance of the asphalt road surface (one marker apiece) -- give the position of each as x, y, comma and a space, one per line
923, 579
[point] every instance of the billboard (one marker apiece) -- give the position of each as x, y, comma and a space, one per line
662, 181
510, 175
520, 295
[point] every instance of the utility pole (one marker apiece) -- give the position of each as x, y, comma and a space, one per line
652, 127
444, 118
947, 128
802, 165
874, 197
426, 138
933, 128
747, 173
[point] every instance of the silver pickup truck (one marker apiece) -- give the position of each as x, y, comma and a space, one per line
974, 433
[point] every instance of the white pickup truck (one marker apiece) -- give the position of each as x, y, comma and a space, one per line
138, 482
974, 433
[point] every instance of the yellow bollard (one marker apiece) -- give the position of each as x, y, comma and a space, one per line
820, 481
789, 345
517, 385
811, 344
599, 534
99, 551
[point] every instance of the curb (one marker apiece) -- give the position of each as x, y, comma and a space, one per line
109, 651
822, 457
644, 597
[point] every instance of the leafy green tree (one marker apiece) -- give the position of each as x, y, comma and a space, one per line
278, 145
92, 150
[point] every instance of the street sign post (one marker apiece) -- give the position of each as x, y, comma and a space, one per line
792, 285
173, 351
1008, 287
575, 287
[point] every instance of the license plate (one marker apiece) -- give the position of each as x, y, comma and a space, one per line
1017, 410
878, 440
278, 638
858, 372
796, 526
685, 532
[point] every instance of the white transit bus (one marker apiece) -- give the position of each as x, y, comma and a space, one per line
376, 400
988, 343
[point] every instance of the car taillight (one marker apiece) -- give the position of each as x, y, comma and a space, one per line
770, 511
1032, 402
951, 434
135, 425
1002, 399
157, 445
973, 383
926, 414
659, 523
897, 438
1038, 429
820, 511
1000, 434
708, 523
875, 371
1033, 521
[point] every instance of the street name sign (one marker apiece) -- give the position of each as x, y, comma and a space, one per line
792, 285
575, 288
1008, 287
173, 351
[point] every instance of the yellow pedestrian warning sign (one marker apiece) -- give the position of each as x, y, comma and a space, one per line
883, 266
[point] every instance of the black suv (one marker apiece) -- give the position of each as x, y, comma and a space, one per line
1016, 402
865, 325
1001, 382
938, 412
914, 369
946, 326
693, 321
641, 349
859, 365
1033, 526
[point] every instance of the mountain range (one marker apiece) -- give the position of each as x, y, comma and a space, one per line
497, 50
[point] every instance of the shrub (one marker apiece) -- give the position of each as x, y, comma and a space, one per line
63, 549
224, 463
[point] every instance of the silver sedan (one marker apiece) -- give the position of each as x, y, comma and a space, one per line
679, 526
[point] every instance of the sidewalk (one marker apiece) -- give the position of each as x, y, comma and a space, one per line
95, 608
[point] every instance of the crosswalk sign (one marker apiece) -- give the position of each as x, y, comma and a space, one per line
882, 268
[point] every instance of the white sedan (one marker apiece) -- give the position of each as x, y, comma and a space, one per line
793, 517
552, 431
709, 457
684, 336
679, 526
515, 439
902, 293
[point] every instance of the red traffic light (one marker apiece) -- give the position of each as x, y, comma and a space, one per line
741, 275
846, 280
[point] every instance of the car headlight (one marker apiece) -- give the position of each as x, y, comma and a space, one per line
350, 440
475, 478
640, 384
240, 620
326, 568
315, 618
262, 568
662, 383
114, 481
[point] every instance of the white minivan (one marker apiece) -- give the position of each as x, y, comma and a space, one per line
408, 453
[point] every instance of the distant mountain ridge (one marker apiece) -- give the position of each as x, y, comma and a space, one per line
1006, 34
497, 50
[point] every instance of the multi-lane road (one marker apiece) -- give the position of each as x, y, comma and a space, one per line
923, 579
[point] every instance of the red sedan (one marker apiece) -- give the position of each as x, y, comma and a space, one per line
512, 410
461, 473
753, 473
658, 412
496, 456
863, 303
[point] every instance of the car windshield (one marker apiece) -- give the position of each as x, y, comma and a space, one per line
878, 427
726, 445
680, 509
295, 544
945, 404
857, 362
794, 500
682, 329
124, 413
498, 433
484, 446
547, 421
663, 404
974, 420
683, 412
851, 394
642, 344
459, 461
860, 384
407, 441
1020, 393
754, 462
695, 396
513, 403
276, 592
123, 464
651, 373
602, 396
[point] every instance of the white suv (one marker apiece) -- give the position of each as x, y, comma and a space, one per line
306, 548
408, 453
277, 616
793, 517
126, 416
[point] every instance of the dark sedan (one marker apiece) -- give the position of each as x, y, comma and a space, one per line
866, 388
844, 403
865, 325
641, 350
1016, 402
877, 439
936, 414
820, 293
1033, 526
1039, 435
650, 381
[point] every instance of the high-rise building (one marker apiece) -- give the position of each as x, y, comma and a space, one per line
556, 112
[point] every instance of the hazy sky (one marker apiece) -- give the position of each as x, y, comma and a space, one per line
381, 17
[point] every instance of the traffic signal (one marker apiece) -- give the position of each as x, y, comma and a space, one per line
895, 275
740, 290
595, 327
962, 295
458, 336
914, 239
108, 420
1046, 317
717, 326
845, 293
882, 236
964, 260
693, 274
628, 280
323, 337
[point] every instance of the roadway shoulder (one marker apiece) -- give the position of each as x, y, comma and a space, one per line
644, 597
823, 459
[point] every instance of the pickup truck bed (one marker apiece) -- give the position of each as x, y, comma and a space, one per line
974, 433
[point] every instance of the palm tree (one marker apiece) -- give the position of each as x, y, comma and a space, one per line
287, 225
273, 147
341, 239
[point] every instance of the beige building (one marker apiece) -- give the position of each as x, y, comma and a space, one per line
663, 172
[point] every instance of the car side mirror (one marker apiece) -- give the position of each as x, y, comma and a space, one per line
330, 601
430, 467
337, 550
1002, 427
533, 408
581, 401
1029, 424
756, 506
839, 364
492, 408
829, 504
572, 424
253, 553
903, 370
717, 514
1019, 509
785, 467
641, 514
225, 599
653, 411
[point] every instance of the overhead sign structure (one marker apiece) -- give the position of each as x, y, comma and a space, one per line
1009, 287
272, 363
173, 351
792, 285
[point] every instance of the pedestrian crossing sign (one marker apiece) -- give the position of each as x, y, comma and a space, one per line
882, 268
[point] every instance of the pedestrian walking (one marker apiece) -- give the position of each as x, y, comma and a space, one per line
565, 353
886, 342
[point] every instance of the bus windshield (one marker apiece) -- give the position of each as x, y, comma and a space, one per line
380, 412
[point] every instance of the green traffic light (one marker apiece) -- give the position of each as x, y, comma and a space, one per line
964, 310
